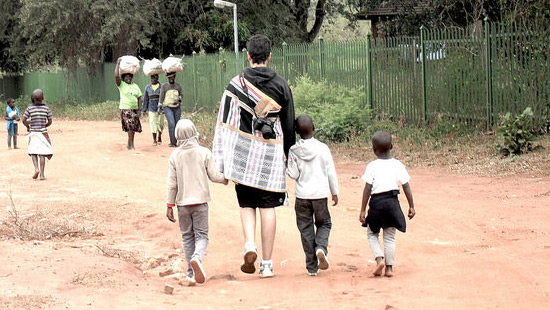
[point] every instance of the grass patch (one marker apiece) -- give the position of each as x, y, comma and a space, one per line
131, 257
37, 226
72, 110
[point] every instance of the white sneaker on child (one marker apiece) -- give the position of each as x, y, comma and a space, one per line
249, 258
322, 259
190, 280
266, 270
200, 276
312, 274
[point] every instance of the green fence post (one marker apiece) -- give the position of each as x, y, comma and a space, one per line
369, 71
321, 57
220, 65
424, 80
488, 72
285, 64
245, 58
195, 77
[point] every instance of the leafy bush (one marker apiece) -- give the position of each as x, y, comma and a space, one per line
70, 109
338, 112
517, 133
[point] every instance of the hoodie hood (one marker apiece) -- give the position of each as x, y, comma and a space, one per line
259, 75
306, 149
186, 133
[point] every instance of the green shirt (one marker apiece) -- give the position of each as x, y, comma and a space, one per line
129, 94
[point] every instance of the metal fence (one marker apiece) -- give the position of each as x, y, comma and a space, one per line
465, 75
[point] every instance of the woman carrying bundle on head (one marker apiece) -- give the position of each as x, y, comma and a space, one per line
171, 95
130, 97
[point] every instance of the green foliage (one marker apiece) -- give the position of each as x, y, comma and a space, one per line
517, 133
72, 110
338, 112
9, 60
74, 32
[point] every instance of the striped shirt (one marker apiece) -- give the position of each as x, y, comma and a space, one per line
38, 116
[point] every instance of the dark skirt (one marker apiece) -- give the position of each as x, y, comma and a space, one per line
130, 120
384, 212
251, 197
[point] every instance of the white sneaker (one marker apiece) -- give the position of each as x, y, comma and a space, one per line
312, 274
200, 276
266, 270
190, 279
322, 259
249, 258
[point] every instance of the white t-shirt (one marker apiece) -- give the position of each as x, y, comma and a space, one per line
385, 175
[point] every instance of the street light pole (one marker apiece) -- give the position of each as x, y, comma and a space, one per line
222, 4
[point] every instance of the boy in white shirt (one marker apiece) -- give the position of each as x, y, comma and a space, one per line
190, 167
310, 164
382, 177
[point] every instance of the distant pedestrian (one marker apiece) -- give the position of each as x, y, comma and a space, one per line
382, 177
171, 95
310, 164
37, 118
151, 105
130, 104
190, 167
13, 117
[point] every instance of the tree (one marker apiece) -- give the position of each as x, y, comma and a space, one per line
73, 32
291, 21
9, 60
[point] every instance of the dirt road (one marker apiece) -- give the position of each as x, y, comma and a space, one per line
476, 242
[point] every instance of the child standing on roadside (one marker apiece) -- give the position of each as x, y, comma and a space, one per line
12, 116
310, 164
190, 167
382, 177
37, 118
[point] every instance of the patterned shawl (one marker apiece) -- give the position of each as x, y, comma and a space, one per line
239, 151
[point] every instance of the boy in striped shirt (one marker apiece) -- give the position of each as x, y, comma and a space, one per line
37, 118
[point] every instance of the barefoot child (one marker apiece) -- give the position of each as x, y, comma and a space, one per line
190, 167
382, 177
310, 164
12, 116
37, 118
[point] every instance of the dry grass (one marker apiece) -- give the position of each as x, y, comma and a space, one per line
131, 257
98, 279
29, 302
38, 226
468, 155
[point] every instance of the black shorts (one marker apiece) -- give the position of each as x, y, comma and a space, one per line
251, 197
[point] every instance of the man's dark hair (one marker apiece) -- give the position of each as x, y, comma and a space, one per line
10, 100
259, 48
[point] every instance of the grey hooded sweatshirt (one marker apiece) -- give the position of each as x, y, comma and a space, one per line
190, 167
310, 164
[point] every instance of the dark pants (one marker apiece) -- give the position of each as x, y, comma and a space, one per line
172, 117
308, 213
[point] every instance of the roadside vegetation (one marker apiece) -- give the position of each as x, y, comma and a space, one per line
515, 145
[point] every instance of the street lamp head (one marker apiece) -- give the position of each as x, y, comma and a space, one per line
221, 4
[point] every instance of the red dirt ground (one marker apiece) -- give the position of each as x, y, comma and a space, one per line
476, 242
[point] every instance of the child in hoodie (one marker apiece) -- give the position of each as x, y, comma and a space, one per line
310, 164
190, 167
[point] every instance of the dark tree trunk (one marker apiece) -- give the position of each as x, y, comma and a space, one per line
301, 8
